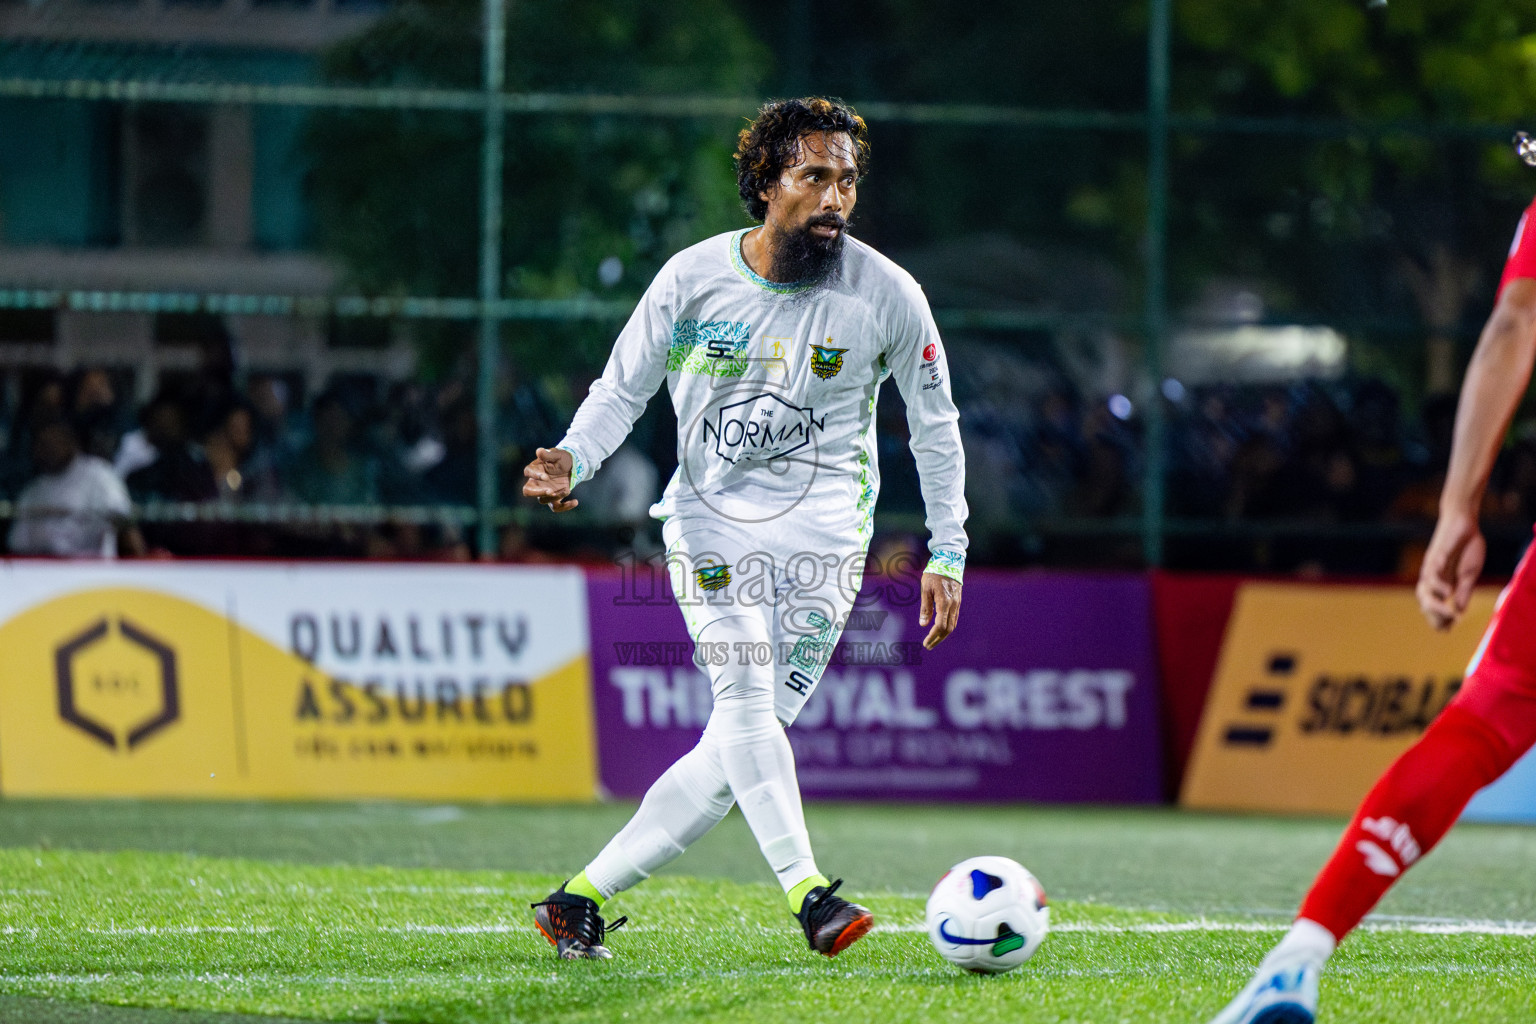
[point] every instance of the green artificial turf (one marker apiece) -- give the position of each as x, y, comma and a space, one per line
407, 913
25, 1010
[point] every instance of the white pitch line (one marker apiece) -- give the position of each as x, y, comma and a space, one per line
455, 929
198, 929
1517, 929
1149, 928
226, 982
147, 929
289, 889
249, 979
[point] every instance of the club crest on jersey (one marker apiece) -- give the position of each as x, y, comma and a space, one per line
826, 362
712, 577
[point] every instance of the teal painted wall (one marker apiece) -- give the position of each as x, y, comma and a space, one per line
280, 213
59, 179
60, 160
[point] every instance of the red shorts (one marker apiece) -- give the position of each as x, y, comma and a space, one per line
1500, 687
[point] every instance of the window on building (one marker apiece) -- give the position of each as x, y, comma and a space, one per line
166, 171
194, 329
28, 326
359, 332
63, 185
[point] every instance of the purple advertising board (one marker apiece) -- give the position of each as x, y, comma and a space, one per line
1046, 691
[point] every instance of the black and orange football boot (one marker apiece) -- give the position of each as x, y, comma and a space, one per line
831, 923
573, 926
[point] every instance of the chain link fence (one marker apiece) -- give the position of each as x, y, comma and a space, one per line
401, 239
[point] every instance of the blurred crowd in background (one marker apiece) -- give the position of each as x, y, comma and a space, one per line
1311, 477
76, 447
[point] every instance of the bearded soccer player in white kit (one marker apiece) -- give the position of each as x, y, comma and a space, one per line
773, 342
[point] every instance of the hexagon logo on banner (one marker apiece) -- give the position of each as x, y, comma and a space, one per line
117, 683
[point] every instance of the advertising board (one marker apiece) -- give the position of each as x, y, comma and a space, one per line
228, 680
1046, 691
1317, 690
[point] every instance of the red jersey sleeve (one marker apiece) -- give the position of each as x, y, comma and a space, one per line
1522, 251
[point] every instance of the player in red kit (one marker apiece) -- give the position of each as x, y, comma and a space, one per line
1492, 721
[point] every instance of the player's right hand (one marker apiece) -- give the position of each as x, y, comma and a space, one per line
940, 605
548, 478
1451, 567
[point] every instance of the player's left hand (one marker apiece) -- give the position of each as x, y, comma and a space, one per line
941, 606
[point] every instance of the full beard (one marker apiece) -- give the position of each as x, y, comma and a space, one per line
800, 257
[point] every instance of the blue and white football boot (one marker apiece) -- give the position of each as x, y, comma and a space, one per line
1280, 993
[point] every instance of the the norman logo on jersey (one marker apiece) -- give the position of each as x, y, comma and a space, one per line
760, 428
825, 362
711, 348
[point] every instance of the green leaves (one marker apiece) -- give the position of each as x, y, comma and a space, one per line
397, 192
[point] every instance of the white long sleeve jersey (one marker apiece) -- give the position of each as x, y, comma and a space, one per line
774, 386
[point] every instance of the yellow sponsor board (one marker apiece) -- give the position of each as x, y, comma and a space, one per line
132, 691
1317, 690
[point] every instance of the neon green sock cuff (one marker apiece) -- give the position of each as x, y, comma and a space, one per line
580, 886
799, 889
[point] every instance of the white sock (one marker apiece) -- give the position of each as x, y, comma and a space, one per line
762, 773
755, 754
687, 801
1306, 941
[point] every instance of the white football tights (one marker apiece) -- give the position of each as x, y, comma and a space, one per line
743, 756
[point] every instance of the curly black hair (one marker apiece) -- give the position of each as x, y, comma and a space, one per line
766, 146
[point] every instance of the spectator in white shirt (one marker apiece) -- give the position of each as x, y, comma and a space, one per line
76, 506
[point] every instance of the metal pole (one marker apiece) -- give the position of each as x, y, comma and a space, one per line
1156, 309
491, 158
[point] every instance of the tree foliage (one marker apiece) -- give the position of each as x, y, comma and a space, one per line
1343, 226
397, 193
1360, 224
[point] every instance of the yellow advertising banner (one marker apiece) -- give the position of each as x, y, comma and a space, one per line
1317, 690
431, 683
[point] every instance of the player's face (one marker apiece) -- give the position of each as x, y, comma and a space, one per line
816, 194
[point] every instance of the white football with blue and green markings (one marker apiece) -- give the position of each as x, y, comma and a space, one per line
988, 915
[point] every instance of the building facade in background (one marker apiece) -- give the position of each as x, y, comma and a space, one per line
162, 197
